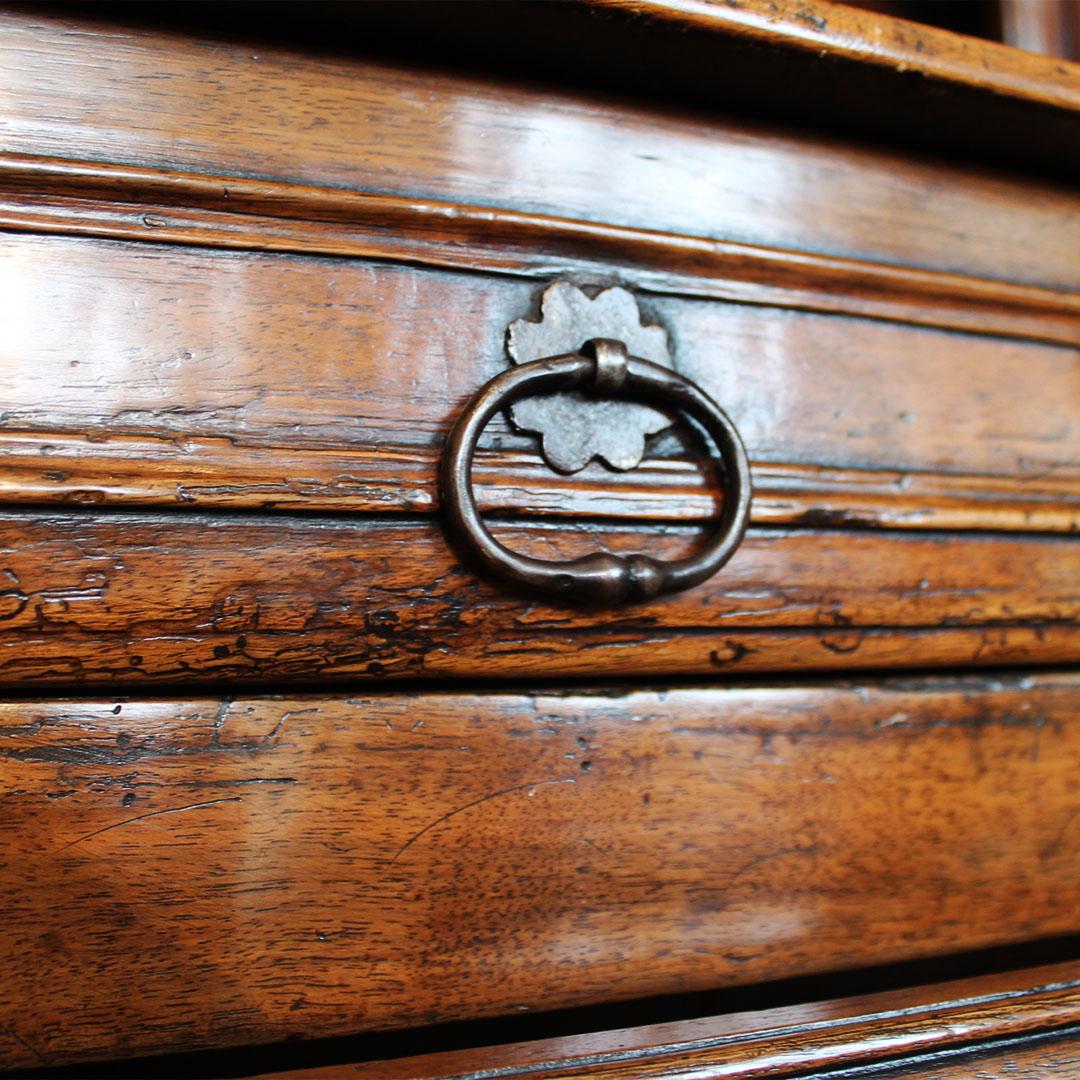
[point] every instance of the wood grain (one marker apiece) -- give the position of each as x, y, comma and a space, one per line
838, 30
87, 91
183, 597
1032, 1059
137, 203
176, 374
951, 1029
222, 473
191, 873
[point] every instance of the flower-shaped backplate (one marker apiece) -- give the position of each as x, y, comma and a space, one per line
573, 427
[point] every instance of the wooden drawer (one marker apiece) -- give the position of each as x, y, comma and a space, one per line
299, 344
240, 382
200, 378
204, 872
870, 396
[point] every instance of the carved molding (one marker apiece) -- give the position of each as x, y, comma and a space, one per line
143, 203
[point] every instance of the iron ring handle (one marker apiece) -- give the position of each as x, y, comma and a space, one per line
601, 578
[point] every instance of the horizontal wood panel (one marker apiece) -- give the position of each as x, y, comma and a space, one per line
208, 473
945, 1025
83, 90
189, 873
162, 598
275, 357
1031, 1059
170, 206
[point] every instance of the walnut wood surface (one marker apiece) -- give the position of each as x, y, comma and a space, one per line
146, 373
1034, 1059
945, 1028
190, 873
167, 206
162, 598
87, 91
330, 251
214, 473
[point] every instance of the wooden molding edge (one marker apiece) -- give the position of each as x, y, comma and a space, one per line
836, 31
214, 473
137, 203
778, 1042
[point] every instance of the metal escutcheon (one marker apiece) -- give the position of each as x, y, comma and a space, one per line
603, 368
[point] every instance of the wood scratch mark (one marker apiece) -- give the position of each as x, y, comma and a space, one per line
143, 817
476, 802
1050, 849
281, 723
768, 857
24, 1044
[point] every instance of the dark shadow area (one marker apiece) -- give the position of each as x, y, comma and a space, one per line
568, 44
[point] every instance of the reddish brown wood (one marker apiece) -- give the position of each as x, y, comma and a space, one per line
182, 597
1033, 1059
87, 91
131, 202
1036, 1058
950, 1030
131, 372
215, 473
187, 873
288, 271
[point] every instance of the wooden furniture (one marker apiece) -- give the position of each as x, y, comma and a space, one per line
976, 1027
283, 757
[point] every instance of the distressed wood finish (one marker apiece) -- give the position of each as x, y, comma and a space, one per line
243, 278
246, 379
222, 473
187, 873
179, 597
954, 1029
86, 91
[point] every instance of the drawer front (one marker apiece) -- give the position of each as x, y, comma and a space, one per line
196, 382
182, 598
1018, 1023
191, 873
138, 373
895, 341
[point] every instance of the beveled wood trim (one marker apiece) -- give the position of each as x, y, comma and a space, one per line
185, 598
840, 32
209, 473
786, 1041
141, 203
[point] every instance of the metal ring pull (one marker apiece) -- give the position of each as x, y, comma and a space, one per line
600, 578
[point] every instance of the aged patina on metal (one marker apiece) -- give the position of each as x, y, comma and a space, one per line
605, 372
574, 427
